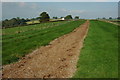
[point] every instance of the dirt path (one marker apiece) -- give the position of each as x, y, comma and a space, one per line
57, 60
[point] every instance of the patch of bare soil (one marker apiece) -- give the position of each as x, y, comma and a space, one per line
57, 60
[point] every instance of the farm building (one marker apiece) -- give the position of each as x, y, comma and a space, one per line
63, 18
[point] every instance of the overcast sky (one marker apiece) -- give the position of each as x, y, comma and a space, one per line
59, 9
59, 0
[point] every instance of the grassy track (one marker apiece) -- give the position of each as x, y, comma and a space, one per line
17, 45
99, 56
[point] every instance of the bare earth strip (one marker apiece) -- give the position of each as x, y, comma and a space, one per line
57, 60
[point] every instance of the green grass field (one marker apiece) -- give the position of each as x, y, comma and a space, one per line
99, 56
37, 21
115, 21
118, 22
33, 22
20, 29
16, 45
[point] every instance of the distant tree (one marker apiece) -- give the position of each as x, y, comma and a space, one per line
98, 18
76, 17
103, 18
118, 18
23, 21
55, 18
18, 20
5, 23
27, 19
68, 17
33, 19
110, 17
6, 19
44, 17
37, 18
61, 17
0, 24
13, 22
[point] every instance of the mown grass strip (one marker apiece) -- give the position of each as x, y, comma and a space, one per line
99, 56
29, 33
20, 31
15, 49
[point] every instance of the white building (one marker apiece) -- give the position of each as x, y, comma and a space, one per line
63, 18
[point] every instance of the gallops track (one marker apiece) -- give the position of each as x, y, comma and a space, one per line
56, 60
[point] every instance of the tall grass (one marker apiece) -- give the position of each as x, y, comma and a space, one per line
99, 56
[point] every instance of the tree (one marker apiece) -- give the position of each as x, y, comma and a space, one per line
104, 18
33, 19
54, 17
27, 19
68, 17
13, 22
37, 18
110, 17
22, 21
98, 18
118, 18
44, 17
61, 17
76, 17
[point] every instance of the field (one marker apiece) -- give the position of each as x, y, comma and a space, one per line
114, 21
37, 21
63, 39
99, 56
118, 22
33, 22
29, 28
22, 40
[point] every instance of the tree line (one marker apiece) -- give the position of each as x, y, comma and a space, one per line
43, 17
110, 18
14, 22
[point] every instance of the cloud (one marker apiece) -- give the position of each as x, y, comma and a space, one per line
22, 4
60, 0
9, 0
25, 4
34, 6
76, 12
100, 0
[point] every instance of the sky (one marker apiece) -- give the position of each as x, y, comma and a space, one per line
59, 0
88, 10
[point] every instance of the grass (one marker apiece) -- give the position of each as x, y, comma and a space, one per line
99, 56
16, 30
115, 21
16, 45
118, 22
33, 22
37, 21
